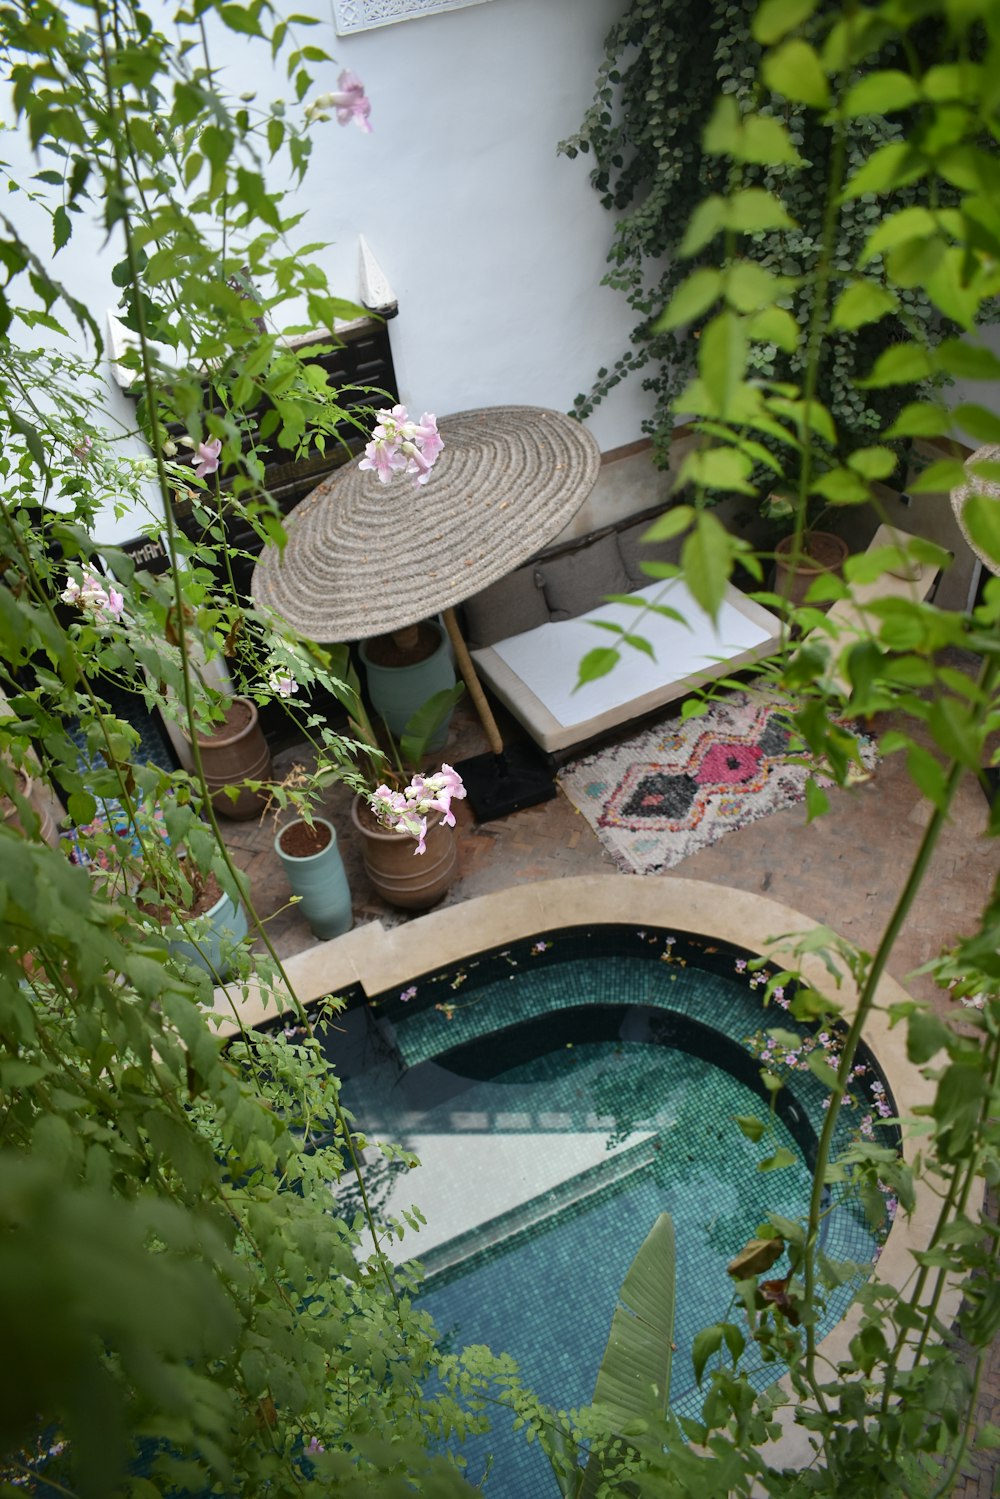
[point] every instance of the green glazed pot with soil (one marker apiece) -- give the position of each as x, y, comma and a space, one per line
314, 869
403, 670
214, 924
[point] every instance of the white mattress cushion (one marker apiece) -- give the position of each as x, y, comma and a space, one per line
547, 658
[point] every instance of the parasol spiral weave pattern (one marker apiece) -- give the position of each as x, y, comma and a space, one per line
363, 558
977, 485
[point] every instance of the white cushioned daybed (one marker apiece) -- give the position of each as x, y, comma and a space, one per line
529, 632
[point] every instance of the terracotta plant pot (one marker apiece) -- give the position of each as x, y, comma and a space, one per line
402, 877
47, 832
234, 752
822, 552
315, 871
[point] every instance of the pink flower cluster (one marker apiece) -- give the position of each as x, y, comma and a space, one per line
402, 446
407, 811
105, 605
206, 457
283, 683
349, 100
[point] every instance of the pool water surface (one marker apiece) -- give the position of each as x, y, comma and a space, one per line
560, 1096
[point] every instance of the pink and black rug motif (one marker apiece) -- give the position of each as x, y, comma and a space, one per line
684, 784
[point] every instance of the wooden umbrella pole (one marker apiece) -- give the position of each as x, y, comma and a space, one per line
464, 663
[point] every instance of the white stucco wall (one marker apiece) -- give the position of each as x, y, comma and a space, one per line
494, 245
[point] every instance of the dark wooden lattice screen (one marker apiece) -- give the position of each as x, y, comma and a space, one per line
364, 359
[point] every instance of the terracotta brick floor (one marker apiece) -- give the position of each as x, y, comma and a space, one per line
845, 870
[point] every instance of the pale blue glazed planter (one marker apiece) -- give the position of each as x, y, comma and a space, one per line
320, 882
224, 925
397, 692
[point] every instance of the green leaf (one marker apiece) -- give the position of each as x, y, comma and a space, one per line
978, 421
926, 1035
692, 298
921, 419
759, 139
750, 1126
782, 1157
774, 19
817, 801
982, 517
62, 227
968, 361
752, 209
597, 663
926, 774
841, 486
707, 1342
242, 18
872, 463
940, 477
820, 1067
891, 166
671, 523
773, 325
717, 468
706, 559
81, 807
900, 364
722, 355
749, 287
880, 93
860, 303
633, 1382
708, 220
795, 70
425, 723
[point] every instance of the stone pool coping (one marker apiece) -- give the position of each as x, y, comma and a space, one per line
380, 958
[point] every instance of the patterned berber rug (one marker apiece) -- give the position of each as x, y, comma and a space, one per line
685, 783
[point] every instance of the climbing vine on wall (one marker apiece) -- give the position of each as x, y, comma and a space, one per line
663, 70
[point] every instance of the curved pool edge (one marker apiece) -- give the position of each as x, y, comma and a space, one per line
380, 958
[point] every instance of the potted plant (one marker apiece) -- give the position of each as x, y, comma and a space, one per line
403, 670
803, 555
404, 821
314, 869
234, 752
213, 923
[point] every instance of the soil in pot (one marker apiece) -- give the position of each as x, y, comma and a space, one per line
233, 752
238, 717
821, 552
300, 841
207, 893
404, 647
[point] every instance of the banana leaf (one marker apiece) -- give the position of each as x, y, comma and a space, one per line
424, 724
633, 1382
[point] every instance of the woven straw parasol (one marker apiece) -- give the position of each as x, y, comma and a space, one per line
977, 485
365, 558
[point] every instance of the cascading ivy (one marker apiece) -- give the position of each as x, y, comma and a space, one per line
664, 67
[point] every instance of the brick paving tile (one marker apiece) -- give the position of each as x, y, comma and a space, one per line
845, 869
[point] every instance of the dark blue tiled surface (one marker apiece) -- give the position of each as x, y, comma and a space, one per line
646, 1033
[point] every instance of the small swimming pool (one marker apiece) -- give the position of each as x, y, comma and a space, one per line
560, 1093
